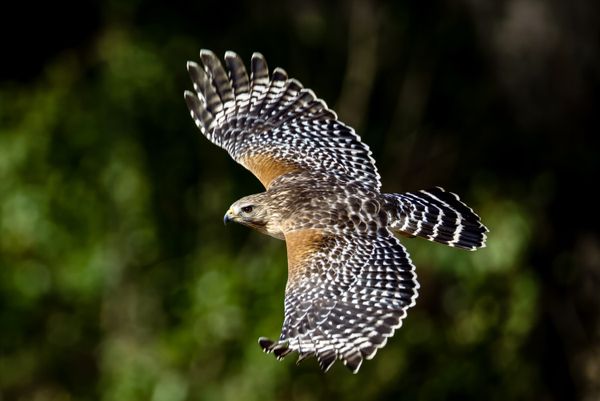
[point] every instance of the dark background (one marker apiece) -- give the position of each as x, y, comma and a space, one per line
119, 282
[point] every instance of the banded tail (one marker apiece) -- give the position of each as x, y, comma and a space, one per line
437, 215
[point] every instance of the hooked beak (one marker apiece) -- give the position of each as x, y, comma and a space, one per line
228, 217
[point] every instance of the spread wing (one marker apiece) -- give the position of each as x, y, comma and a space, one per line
271, 124
346, 294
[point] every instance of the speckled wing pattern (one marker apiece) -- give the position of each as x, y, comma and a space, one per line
350, 281
272, 125
345, 298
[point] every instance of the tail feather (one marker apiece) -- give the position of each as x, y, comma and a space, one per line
439, 216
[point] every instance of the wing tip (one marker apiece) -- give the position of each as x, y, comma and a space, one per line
303, 356
192, 65
192, 101
326, 361
258, 56
265, 343
259, 68
279, 74
189, 95
354, 363
207, 53
229, 54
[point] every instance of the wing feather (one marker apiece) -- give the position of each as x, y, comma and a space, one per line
273, 117
346, 294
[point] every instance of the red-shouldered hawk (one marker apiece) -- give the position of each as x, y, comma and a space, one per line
350, 281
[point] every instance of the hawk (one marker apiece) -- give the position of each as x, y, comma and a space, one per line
350, 280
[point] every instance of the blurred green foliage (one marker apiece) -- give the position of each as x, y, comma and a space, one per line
118, 282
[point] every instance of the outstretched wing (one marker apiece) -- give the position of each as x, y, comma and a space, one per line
346, 294
271, 124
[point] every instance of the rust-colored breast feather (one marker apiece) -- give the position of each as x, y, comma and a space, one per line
301, 246
266, 168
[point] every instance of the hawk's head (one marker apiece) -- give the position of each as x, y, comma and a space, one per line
253, 211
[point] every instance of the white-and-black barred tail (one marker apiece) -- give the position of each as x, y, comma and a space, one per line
439, 216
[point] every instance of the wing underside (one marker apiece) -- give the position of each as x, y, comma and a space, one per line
271, 124
346, 294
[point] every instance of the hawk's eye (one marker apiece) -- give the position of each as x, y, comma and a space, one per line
247, 209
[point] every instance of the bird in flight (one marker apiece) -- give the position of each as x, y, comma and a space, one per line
350, 280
